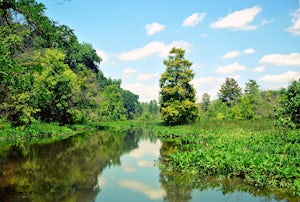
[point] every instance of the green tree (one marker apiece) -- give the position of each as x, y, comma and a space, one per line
289, 113
229, 92
177, 95
113, 105
130, 101
250, 100
205, 102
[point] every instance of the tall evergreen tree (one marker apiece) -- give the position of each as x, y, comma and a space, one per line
205, 102
230, 91
177, 95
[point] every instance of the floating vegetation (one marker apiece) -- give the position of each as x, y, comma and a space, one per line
253, 150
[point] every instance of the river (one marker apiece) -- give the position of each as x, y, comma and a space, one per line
109, 166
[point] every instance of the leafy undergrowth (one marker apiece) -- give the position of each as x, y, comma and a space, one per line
253, 150
34, 132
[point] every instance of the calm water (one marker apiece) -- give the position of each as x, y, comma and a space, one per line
109, 166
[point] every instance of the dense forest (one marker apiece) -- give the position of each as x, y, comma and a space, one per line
47, 75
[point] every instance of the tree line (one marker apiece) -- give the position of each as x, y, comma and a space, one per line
178, 98
47, 75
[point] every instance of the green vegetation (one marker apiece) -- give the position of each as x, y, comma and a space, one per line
289, 111
177, 95
51, 86
48, 76
67, 170
253, 150
232, 104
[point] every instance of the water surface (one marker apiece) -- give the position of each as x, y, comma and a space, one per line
110, 166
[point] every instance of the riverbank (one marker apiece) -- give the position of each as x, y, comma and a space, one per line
255, 151
40, 132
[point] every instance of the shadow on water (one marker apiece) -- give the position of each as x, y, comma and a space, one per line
69, 170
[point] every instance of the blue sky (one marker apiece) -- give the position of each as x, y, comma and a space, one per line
249, 39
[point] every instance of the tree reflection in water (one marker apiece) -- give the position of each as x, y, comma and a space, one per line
66, 170
69, 170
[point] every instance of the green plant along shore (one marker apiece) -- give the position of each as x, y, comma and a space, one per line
253, 150
51, 85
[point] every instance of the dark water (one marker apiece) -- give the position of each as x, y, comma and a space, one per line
109, 166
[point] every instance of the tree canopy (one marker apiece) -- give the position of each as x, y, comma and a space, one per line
48, 75
177, 95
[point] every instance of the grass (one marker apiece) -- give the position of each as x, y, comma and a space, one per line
253, 150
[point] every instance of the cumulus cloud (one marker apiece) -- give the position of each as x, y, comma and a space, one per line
102, 55
236, 53
203, 81
154, 28
210, 85
147, 76
292, 59
280, 78
127, 72
234, 67
249, 51
231, 54
145, 92
295, 27
238, 20
193, 20
158, 48
259, 69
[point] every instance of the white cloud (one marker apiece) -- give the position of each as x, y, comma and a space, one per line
279, 78
102, 55
259, 69
203, 81
238, 20
158, 48
230, 68
145, 77
150, 192
292, 59
295, 27
127, 72
236, 53
249, 51
265, 22
154, 28
193, 20
231, 54
146, 93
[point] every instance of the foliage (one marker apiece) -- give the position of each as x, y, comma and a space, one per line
177, 95
229, 91
289, 113
253, 150
252, 104
205, 102
46, 75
